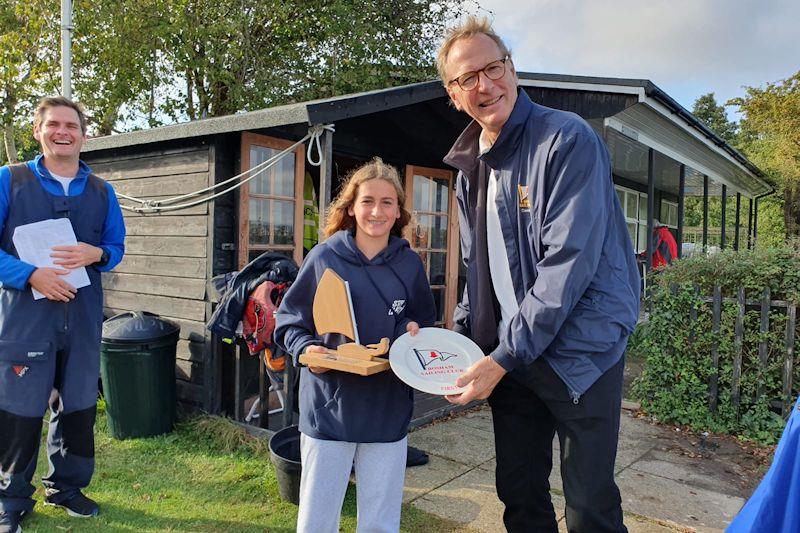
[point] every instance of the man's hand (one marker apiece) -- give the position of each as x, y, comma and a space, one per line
413, 328
480, 380
76, 256
317, 349
48, 281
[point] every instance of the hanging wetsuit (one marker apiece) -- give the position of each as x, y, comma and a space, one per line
47, 344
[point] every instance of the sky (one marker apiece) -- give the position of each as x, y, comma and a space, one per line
686, 47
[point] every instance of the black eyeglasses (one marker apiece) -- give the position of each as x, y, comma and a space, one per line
469, 80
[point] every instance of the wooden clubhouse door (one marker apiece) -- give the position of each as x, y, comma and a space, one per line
433, 233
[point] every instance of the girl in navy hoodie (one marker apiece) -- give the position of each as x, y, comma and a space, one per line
347, 419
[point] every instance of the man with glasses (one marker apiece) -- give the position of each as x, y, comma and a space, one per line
552, 288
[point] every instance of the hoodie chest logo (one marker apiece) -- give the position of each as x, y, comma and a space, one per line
397, 307
522, 198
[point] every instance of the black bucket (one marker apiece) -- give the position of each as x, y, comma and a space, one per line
284, 451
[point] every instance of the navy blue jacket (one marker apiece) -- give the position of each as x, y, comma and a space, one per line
388, 292
571, 259
15, 273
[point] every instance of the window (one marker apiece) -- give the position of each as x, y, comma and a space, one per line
634, 206
270, 206
669, 214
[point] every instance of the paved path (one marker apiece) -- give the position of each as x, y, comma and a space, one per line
666, 486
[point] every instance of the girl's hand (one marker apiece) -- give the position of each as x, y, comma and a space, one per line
317, 349
413, 328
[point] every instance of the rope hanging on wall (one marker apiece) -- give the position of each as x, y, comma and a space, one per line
155, 206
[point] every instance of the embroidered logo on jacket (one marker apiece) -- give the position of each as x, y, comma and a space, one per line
397, 307
35, 354
522, 197
20, 370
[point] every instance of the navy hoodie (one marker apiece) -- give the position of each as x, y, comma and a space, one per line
388, 292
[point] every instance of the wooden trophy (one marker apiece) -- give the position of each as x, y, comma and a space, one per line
333, 313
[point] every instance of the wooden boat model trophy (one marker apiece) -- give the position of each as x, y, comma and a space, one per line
333, 313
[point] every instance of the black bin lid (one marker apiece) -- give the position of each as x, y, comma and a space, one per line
134, 327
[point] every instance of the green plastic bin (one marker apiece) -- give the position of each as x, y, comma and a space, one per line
137, 367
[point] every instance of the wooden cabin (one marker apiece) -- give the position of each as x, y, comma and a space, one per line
665, 164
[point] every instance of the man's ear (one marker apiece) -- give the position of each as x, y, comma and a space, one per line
453, 100
36, 133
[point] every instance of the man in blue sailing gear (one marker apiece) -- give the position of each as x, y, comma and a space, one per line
52, 344
552, 289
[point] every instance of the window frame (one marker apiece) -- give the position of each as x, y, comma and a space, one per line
453, 239
248, 141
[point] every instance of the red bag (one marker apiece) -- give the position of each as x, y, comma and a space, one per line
258, 322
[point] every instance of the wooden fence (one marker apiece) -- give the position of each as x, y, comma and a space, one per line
764, 304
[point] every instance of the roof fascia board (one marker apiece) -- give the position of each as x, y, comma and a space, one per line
648, 141
332, 110
265, 118
694, 132
581, 86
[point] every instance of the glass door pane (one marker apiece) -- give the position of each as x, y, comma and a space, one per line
429, 233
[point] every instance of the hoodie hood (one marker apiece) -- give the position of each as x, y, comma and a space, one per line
343, 244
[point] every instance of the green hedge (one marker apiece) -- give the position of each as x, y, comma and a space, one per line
674, 385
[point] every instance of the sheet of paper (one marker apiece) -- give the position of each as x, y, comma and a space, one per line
34, 242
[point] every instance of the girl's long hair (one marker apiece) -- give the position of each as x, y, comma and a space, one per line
339, 218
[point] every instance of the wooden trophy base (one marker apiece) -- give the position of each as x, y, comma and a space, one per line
351, 357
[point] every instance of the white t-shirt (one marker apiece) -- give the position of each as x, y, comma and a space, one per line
64, 181
498, 256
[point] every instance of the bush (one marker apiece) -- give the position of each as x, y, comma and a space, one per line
674, 386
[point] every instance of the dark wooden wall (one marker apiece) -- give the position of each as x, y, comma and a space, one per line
167, 255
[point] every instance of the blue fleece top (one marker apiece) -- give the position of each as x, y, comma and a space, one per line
388, 292
15, 273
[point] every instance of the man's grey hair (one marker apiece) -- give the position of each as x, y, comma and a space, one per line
473, 26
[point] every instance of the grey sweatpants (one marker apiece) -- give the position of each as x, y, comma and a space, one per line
380, 473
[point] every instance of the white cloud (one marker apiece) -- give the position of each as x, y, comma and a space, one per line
686, 47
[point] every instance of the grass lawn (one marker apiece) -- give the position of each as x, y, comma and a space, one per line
208, 475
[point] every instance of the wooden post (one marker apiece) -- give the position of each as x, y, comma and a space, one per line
738, 334
325, 180
705, 214
762, 345
713, 389
681, 208
723, 232
788, 362
750, 225
738, 221
693, 311
651, 209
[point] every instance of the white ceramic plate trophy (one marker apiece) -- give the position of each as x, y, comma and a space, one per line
432, 360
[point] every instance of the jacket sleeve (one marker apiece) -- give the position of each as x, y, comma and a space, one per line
14, 273
573, 229
113, 238
461, 323
294, 321
421, 307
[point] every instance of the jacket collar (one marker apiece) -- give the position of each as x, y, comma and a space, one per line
38, 163
464, 154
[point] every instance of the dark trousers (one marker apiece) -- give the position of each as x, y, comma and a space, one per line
25, 387
528, 409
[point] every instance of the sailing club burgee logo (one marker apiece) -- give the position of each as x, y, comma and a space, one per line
20, 370
428, 357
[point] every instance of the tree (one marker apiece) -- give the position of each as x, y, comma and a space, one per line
713, 115
27, 64
770, 137
259, 54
